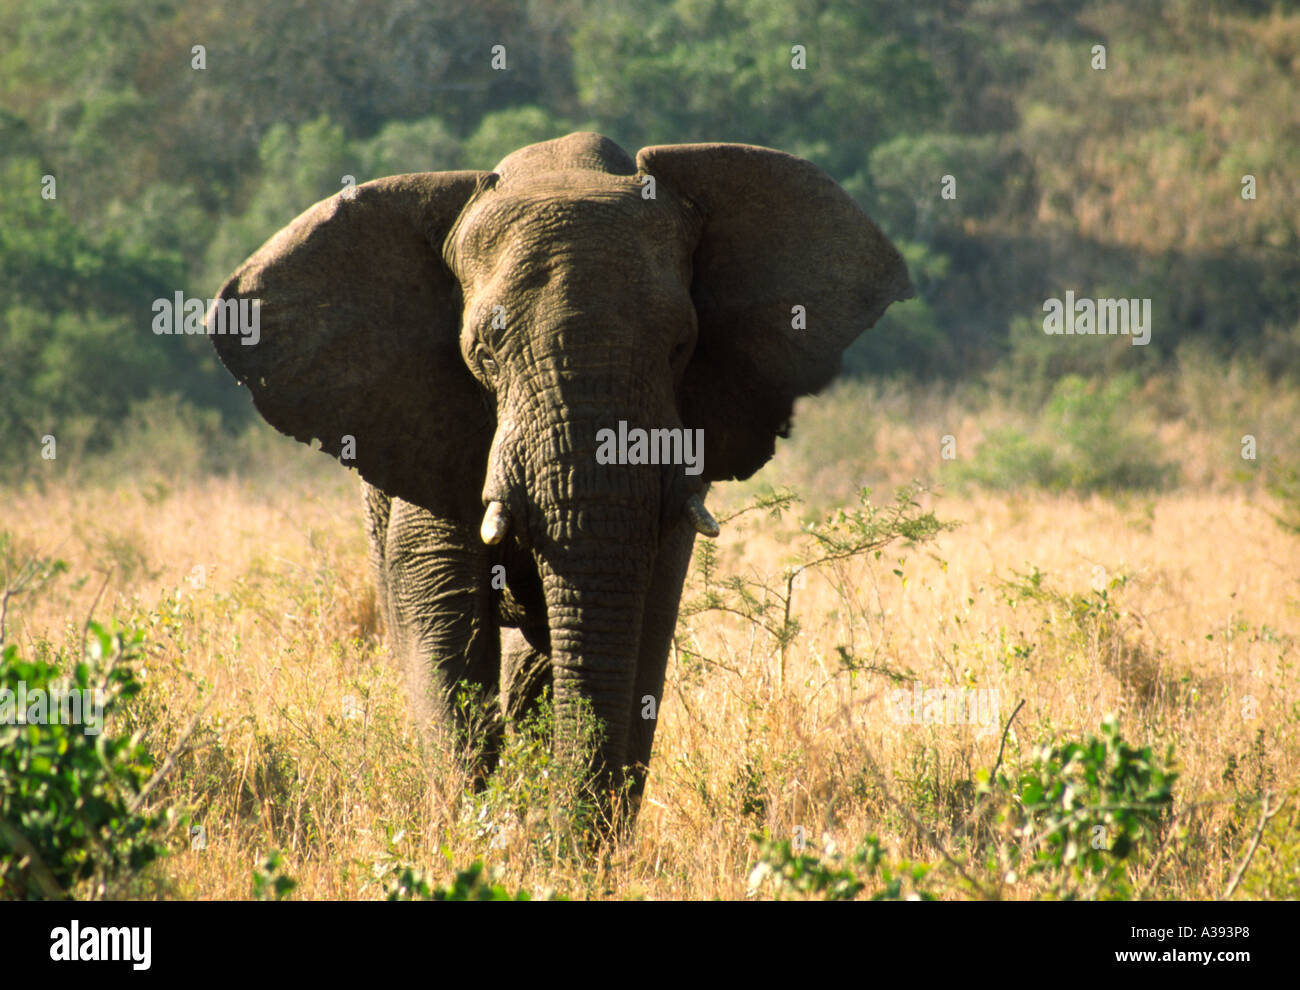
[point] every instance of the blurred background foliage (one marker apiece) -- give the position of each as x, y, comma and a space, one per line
1125, 181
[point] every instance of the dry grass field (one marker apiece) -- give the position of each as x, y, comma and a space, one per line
270, 689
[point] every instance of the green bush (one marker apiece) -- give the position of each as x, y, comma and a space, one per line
1085, 441
473, 884
832, 876
271, 882
68, 797
537, 795
1274, 874
767, 602
1285, 487
1083, 811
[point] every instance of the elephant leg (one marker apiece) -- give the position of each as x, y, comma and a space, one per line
437, 576
378, 507
657, 629
525, 675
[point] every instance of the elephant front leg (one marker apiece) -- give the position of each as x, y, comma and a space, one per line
525, 675
443, 631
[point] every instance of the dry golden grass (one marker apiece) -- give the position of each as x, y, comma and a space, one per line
263, 638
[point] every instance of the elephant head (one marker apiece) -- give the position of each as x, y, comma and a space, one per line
466, 340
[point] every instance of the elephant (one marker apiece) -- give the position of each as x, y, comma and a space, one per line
494, 352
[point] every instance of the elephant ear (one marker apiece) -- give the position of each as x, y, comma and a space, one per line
778, 233
357, 334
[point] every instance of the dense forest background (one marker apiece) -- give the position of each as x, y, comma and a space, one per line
1123, 181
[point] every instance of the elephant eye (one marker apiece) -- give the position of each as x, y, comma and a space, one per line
487, 362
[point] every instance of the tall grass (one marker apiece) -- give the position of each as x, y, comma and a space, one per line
782, 742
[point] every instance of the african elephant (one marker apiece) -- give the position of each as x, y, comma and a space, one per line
483, 348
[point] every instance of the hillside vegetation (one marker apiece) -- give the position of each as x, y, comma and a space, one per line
1121, 181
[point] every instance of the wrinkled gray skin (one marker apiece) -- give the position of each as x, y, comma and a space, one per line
676, 309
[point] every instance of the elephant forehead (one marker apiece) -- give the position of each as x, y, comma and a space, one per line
558, 215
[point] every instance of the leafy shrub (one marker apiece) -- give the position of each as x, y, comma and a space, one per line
271, 882
1083, 810
1274, 873
68, 799
538, 795
1097, 626
843, 535
1085, 442
906, 168
1285, 487
831, 876
473, 884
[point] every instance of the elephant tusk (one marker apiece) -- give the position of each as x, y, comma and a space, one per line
701, 518
496, 520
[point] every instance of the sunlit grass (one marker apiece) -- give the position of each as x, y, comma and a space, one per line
1178, 612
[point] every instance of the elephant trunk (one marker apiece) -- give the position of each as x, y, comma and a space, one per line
595, 601
595, 556
594, 531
